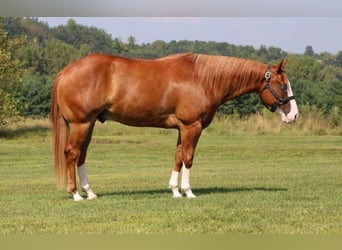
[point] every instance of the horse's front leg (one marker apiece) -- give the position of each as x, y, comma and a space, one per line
173, 183
185, 185
186, 146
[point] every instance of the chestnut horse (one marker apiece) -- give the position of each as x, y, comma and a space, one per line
181, 91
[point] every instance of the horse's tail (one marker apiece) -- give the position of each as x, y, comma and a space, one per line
59, 137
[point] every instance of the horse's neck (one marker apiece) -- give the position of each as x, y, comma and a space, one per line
230, 77
236, 89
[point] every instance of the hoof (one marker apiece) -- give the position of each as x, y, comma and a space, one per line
77, 197
175, 192
177, 196
189, 194
90, 194
91, 197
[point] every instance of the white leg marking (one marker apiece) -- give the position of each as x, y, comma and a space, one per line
173, 184
82, 173
185, 185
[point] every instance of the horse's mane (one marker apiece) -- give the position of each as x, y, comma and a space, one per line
186, 56
222, 73
222, 70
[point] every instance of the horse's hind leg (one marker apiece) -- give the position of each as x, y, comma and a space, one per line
77, 138
81, 169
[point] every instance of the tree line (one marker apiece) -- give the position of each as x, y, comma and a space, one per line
32, 53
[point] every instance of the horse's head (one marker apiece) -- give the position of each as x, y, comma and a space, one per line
276, 93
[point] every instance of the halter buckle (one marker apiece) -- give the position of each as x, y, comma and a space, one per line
268, 75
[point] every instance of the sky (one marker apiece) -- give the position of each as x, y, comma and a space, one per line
291, 34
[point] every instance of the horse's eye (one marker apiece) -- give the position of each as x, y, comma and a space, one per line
283, 86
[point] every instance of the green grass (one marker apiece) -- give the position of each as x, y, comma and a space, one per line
269, 180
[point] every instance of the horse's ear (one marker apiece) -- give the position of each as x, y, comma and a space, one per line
281, 66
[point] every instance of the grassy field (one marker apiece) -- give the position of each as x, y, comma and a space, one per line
251, 177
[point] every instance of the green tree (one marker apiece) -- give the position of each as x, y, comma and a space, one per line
335, 115
119, 46
131, 42
303, 67
309, 51
34, 58
75, 35
339, 59
36, 95
331, 73
10, 78
58, 54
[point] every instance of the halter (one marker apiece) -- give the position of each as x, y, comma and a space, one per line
279, 101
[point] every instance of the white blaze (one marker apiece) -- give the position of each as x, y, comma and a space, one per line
293, 114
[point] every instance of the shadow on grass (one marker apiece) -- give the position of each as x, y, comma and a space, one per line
23, 132
197, 191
